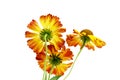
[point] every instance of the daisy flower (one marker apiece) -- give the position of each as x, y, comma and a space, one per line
48, 28
56, 60
84, 38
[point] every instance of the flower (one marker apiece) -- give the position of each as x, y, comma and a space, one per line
50, 28
56, 60
84, 38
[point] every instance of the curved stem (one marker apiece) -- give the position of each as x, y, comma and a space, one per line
76, 59
73, 64
45, 73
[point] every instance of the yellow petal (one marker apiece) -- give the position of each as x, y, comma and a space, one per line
75, 31
57, 42
89, 46
98, 42
60, 69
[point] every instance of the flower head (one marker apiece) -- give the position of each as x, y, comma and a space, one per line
48, 28
84, 38
56, 59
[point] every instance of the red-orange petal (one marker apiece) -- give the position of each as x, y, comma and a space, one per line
35, 44
61, 30
73, 40
30, 34
66, 54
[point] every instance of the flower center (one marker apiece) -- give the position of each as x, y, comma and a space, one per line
55, 60
46, 34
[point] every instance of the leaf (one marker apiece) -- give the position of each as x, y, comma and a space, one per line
55, 77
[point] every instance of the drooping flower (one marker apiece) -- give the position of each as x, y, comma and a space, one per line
84, 38
48, 27
56, 59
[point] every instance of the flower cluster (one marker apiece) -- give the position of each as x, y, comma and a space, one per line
45, 39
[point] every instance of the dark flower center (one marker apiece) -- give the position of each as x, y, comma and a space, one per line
55, 60
46, 34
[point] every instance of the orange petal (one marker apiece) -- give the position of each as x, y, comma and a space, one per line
98, 42
66, 54
73, 40
60, 69
51, 49
30, 34
35, 44
41, 65
61, 30
33, 25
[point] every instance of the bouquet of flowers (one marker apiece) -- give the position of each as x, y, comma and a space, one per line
53, 57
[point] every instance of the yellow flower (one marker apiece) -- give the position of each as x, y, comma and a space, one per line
84, 38
56, 60
48, 27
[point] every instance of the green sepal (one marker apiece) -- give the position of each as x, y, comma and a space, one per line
55, 77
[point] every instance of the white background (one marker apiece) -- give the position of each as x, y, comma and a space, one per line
17, 61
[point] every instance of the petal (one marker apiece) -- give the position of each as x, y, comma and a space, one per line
66, 54
51, 49
98, 42
33, 25
61, 30
57, 42
41, 65
60, 69
57, 24
35, 44
41, 61
73, 40
75, 31
58, 32
41, 56
31, 35
89, 46
50, 22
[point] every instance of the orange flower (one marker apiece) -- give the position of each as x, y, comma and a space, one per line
48, 27
84, 38
56, 60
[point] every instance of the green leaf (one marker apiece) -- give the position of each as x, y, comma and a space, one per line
55, 77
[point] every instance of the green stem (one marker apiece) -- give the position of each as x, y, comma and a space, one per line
45, 73
73, 64
51, 72
76, 59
